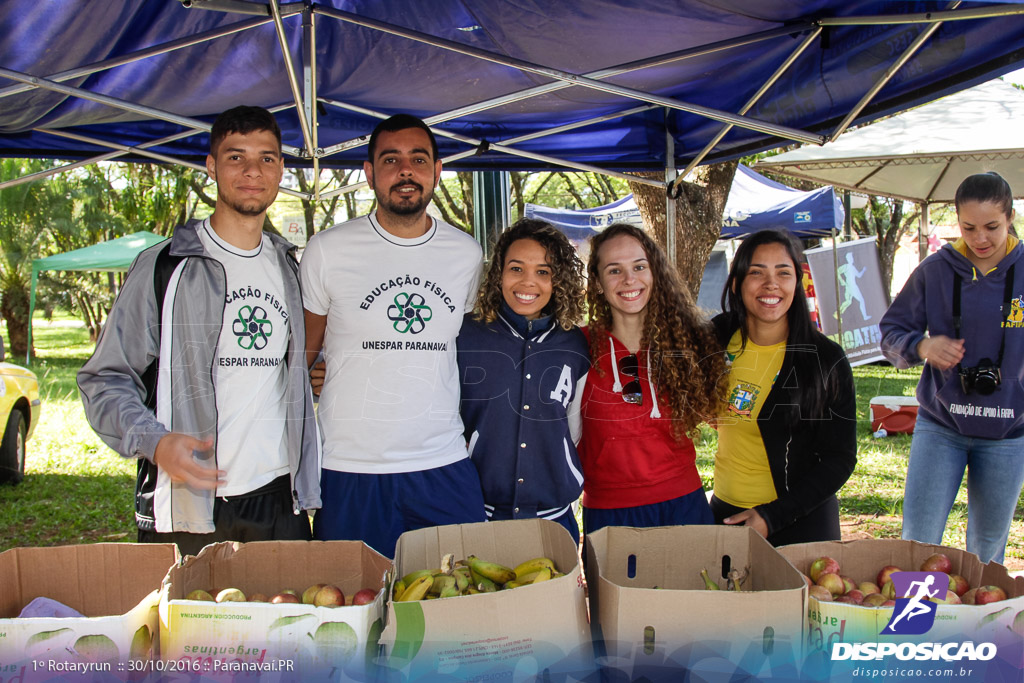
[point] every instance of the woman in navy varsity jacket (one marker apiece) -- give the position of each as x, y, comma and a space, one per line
522, 361
657, 375
962, 314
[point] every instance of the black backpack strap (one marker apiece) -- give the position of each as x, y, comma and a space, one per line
163, 268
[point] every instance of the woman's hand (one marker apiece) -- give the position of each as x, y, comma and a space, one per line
941, 351
751, 518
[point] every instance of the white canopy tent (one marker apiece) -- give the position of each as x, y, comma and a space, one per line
923, 154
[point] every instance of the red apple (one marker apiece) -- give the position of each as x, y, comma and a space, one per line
819, 593
845, 598
937, 563
968, 597
823, 565
329, 596
832, 583
987, 594
231, 595
285, 597
856, 595
310, 593
886, 574
867, 588
958, 584
873, 600
258, 597
364, 596
199, 594
848, 584
889, 590
950, 599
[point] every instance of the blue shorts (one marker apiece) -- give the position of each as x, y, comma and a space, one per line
378, 508
692, 508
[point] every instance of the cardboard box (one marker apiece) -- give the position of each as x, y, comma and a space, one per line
508, 635
894, 414
831, 622
651, 610
223, 639
114, 585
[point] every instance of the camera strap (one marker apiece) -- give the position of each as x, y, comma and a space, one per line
1006, 308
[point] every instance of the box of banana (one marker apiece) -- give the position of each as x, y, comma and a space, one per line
495, 599
692, 597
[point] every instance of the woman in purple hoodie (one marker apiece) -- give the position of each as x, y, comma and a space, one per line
961, 313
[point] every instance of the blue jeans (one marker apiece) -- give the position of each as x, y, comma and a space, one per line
995, 474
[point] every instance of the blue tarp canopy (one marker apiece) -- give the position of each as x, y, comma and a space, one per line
509, 84
759, 203
581, 224
754, 203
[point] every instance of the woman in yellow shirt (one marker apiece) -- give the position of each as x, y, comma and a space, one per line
787, 435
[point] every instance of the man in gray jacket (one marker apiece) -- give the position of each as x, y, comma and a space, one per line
200, 370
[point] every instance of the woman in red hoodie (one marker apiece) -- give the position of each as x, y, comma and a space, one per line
658, 372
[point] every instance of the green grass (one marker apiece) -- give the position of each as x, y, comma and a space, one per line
77, 490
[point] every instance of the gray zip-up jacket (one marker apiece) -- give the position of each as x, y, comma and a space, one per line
152, 373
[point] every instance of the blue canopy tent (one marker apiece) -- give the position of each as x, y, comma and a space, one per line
759, 203
609, 85
754, 203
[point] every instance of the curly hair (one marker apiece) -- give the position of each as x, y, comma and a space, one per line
566, 305
690, 363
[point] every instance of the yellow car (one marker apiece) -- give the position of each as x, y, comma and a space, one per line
19, 412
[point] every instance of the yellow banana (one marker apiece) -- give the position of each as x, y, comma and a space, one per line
398, 589
536, 564
542, 575
440, 582
417, 590
708, 583
528, 577
483, 584
512, 584
461, 580
492, 570
412, 576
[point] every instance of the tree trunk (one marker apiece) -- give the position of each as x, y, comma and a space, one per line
14, 310
698, 217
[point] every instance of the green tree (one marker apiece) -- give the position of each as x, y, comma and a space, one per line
23, 212
889, 222
698, 217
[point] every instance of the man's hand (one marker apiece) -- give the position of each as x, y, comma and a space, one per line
751, 518
317, 373
175, 455
941, 351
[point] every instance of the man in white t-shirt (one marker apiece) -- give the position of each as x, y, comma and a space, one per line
384, 298
200, 371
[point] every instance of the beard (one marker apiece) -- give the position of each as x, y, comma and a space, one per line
246, 207
404, 207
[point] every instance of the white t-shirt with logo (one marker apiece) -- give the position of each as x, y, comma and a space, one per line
390, 401
250, 377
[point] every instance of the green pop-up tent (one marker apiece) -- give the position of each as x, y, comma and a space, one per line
114, 255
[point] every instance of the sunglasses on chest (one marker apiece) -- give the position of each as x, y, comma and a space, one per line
631, 393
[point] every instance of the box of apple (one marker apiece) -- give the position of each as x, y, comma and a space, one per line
293, 607
851, 594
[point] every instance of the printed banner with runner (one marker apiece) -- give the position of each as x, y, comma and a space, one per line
861, 301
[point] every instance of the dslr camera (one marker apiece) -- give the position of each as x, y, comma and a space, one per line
983, 378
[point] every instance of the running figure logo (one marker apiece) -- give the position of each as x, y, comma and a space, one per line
915, 614
848, 276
